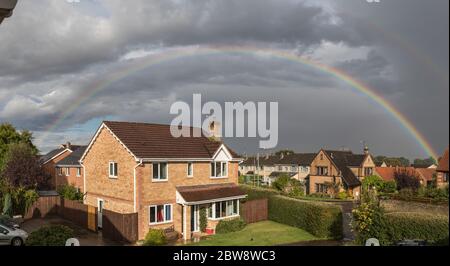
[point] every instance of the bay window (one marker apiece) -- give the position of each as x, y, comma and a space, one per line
223, 209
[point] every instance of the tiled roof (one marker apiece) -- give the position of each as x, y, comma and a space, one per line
443, 162
44, 158
426, 173
263, 160
74, 158
388, 173
146, 140
345, 159
303, 159
210, 192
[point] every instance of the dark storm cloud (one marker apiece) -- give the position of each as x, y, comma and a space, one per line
399, 48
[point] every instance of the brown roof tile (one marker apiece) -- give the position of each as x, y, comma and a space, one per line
146, 140
209, 192
443, 162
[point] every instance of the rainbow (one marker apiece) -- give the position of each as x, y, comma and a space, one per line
179, 53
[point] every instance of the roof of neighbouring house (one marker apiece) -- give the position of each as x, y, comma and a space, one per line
278, 174
388, 173
74, 158
266, 160
53, 153
210, 192
443, 162
426, 173
147, 141
303, 159
345, 159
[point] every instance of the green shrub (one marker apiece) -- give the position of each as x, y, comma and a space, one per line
281, 183
320, 195
70, 192
155, 237
432, 228
342, 195
406, 194
228, 226
369, 222
433, 193
54, 235
203, 219
321, 220
372, 181
389, 186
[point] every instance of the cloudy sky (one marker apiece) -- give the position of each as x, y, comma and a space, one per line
56, 54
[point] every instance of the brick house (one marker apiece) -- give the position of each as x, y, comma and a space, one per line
69, 170
141, 168
52, 158
339, 167
442, 170
298, 165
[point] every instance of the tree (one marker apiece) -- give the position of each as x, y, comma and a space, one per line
407, 179
22, 168
392, 161
425, 162
9, 135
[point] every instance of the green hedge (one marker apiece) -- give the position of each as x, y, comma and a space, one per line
52, 235
228, 226
259, 193
401, 226
321, 220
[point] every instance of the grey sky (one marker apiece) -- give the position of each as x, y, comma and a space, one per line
53, 51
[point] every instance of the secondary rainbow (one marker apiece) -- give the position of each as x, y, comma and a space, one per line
136, 65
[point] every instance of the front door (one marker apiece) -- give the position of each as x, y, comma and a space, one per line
100, 213
195, 227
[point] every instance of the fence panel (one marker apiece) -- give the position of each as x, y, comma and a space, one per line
255, 210
120, 227
43, 207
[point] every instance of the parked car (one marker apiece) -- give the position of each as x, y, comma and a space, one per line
12, 236
6, 220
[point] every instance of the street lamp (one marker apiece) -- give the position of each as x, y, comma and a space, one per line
6, 8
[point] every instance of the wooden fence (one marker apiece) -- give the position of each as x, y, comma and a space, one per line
254, 211
78, 213
120, 227
43, 207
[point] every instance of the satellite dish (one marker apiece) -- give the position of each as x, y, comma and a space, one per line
73, 242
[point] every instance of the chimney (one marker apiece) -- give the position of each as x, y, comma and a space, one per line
215, 130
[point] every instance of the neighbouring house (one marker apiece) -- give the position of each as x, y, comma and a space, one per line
260, 166
297, 165
425, 175
339, 167
430, 166
69, 170
52, 158
442, 170
141, 168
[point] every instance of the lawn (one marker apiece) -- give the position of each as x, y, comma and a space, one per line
265, 233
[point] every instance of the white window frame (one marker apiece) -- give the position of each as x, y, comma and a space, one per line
192, 169
78, 171
60, 171
215, 169
159, 172
213, 210
164, 214
114, 174
67, 171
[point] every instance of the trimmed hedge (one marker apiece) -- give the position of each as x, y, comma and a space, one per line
259, 193
228, 226
321, 220
431, 228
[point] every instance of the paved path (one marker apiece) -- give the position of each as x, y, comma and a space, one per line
347, 219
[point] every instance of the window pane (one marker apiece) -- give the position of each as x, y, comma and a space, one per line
189, 169
110, 169
152, 214
115, 169
210, 209
229, 208
155, 171
160, 213
223, 209
212, 169
163, 170
168, 212
218, 170
218, 210
224, 169
235, 206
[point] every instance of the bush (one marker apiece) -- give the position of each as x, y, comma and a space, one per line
228, 226
155, 237
320, 195
373, 181
203, 219
342, 195
70, 192
406, 180
369, 222
432, 228
406, 194
433, 193
54, 235
281, 183
321, 220
389, 186
259, 193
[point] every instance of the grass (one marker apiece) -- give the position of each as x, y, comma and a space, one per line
265, 233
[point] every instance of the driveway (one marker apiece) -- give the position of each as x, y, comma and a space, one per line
86, 237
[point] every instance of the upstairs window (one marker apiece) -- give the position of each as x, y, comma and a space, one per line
160, 171
219, 169
113, 169
321, 170
368, 171
190, 169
